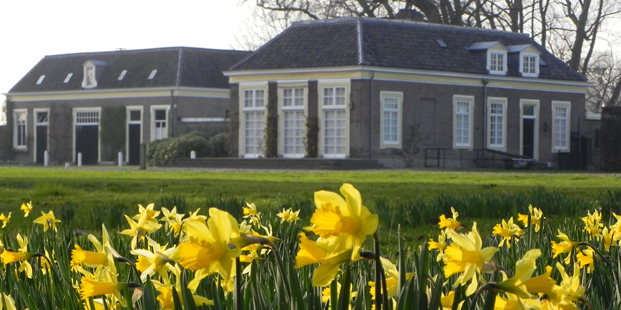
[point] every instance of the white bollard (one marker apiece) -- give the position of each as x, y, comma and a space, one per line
79, 159
120, 159
192, 155
46, 159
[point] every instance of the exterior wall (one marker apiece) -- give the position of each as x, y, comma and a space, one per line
234, 123
429, 107
61, 127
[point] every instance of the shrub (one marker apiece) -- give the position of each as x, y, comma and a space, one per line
166, 151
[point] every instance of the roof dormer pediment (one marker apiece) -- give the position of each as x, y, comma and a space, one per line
492, 45
93, 71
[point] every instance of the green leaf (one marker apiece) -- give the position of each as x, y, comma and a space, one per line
176, 299
345, 289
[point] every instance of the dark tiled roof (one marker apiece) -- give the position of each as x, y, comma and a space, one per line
391, 44
176, 66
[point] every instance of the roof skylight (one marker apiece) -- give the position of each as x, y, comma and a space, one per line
68, 78
40, 80
152, 75
122, 75
441, 43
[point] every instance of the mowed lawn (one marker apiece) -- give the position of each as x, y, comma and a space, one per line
101, 185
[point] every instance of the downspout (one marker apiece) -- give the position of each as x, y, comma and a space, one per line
371, 117
484, 142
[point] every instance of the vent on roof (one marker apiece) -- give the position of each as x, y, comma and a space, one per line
122, 75
40, 80
68, 78
441, 43
152, 75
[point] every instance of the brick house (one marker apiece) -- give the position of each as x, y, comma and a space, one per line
102, 103
384, 89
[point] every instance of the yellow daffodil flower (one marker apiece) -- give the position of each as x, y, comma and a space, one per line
569, 291
139, 230
326, 294
513, 302
593, 224
327, 252
172, 219
536, 216
251, 214
447, 301
207, 246
440, 245
585, 258
92, 259
608, 237
466, 256
157, 261
196, 218
26, 207
150, 213
392, 279
166, 296
22, 256
48, 220
542, 284
524, 269
103, 282
565, 246
449, 223
5, 219
509, 231
346, 219
288, 215
9, 302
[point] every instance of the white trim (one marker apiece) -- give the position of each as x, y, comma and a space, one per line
470, 100
35, 124
522, 56
152, 110
258, 84
25, 137
567, 129
503, 102
242, 116
398, 143
202, 119
155, 92
536, 104
502, 61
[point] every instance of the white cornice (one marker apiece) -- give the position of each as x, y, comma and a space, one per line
85, 94
421, 73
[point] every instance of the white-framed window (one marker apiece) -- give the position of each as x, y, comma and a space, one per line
334, 121
497, 62
561, 112
497, 123
463, 107
20, 128
293, 121
253, 122
159, 122
529, 65
391, 116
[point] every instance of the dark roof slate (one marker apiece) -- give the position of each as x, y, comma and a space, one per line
176, 67
391, 44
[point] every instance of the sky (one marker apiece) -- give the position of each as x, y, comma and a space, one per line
32, 29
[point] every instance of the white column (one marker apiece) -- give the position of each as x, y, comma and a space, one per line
79, 159
120, 159
46, 159
192, 155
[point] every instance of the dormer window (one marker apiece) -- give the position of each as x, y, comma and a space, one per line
495, 56
529, 59
89, 77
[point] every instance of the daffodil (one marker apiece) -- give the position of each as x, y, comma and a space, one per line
542, 284
346, 219
26, 207
195, 217
157, 261
513, 302
5, 219
48, 220
565, 246
92, 259
166, 296
466, 256
536, 216
172, 219
148, 212
608, 237
9, 302
326, 294
593, 224
440, 245
524, 269
139, 230
449, 223
327, 252
22, 256
509, 231
103, 282
564, 295
251, 213
392, 279
447, 301
288, 215
585, 258
207, 246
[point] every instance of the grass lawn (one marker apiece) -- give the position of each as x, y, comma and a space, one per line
411, 197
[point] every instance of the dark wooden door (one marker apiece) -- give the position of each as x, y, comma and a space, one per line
134, 144
528, 138
87, 143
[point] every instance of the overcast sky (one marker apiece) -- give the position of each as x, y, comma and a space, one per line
31, 29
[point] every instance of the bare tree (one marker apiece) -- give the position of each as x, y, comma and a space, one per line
605, 74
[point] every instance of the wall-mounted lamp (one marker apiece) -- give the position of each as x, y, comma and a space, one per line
545, 127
